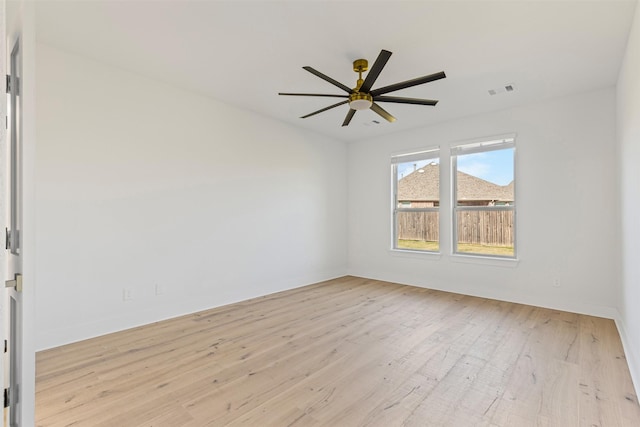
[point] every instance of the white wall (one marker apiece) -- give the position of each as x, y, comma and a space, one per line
628, 127
140, 184
567, 208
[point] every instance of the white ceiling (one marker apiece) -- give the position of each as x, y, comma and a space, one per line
245, 52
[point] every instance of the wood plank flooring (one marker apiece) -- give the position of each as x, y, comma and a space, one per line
347, 352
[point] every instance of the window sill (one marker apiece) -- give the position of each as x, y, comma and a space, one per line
407, 253
460, 258
485, 260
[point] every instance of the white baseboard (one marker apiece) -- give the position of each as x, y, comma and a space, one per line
80, 331
631, 354
474, 291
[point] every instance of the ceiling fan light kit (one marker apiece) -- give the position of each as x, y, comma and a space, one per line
362, 97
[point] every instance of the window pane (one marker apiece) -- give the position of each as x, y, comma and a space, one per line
485, 179
485, 232
418, 231
418, 187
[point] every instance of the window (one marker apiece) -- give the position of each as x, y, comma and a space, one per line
484, 198
416, 204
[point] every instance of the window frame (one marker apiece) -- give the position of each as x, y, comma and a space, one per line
433, 153
472, 147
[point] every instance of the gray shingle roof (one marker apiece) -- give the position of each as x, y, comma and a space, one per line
424, 183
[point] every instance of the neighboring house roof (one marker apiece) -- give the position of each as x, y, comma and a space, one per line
421, 185
424, 183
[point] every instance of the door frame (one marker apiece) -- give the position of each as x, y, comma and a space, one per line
13, 295
18, 22
4, 187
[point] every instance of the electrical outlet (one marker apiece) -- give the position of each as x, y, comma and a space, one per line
127, 294
556, 283
159, 289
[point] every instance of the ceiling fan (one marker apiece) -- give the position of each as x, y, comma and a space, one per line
362, 97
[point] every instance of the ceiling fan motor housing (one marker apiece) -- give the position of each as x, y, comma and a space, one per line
360, 101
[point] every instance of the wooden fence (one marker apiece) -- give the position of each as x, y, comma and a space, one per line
492, 228
418, 226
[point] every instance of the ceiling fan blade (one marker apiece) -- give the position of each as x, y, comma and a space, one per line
408, 83
401, 100
381, 111
328, 79
374, 72
324, 109
313, 94
347, 119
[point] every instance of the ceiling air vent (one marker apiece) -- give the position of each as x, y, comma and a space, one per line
506, 88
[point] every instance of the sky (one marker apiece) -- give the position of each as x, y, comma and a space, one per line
493, 166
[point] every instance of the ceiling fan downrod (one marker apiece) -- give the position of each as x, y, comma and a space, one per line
360, 100
359, 66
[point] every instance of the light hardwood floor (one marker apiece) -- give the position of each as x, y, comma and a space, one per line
347, 352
